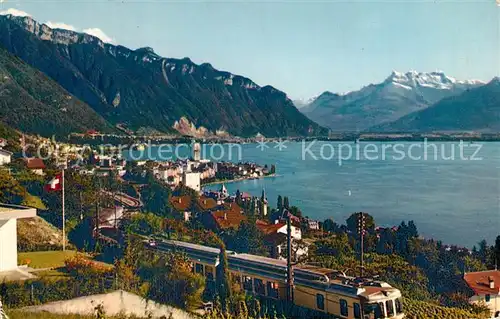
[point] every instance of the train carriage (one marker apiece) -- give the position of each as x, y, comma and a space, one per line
320, 289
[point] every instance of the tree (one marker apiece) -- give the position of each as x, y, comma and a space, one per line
247, 239
280, 204
239, 199
330, 226
496, 254
144, 224
412, 229
223, 278
11, 192
352, 223
172, 281
483, 251
286, 203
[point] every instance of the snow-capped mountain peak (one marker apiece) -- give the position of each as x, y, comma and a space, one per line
435, 80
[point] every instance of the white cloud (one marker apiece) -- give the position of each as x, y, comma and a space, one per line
96, 32
60, 25
15, 12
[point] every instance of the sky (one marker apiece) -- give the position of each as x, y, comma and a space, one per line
301, 47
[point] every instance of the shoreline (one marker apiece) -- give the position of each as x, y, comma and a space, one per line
229, 181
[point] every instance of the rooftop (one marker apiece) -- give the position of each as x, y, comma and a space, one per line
228, 218
34, 163
15, 211
207, 203
269, 229
2, 151
480, 281
181, 203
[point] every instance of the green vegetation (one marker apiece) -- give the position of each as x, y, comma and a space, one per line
45, 259
34, 103
36, 234
424, 310
223, 279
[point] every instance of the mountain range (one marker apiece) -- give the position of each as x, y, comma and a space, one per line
476, 109
33, 103
398, 95
55, 81
139, 89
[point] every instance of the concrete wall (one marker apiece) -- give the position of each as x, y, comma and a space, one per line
4, 159
192, 180
8, 244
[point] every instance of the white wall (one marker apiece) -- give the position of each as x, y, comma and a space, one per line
8, 244
296, 232
192, 180
4, 159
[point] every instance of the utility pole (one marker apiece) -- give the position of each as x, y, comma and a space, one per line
361, 231
63, 212
289, 277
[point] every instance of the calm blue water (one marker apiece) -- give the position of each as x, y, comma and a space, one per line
456, 201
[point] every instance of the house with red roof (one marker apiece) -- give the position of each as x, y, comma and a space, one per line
485, 289
275, 237
35, 165
229, 215
278, 227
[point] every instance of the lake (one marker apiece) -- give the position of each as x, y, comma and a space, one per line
450, 190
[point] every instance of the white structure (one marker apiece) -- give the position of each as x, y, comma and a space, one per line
114, 304
5, 157
485, 289
196, 152
8, 233
192, 180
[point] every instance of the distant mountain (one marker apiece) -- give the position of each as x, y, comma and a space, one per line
398, 95
476, 109
141, 89
300, 103
34, 103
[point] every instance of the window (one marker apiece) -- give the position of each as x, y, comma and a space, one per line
320, 301
344, 309
357, 311
487, 298
399, 306
260, 289
198, 269
209, 276
374, 310
272, 289
390, 308
380, 311
247, 284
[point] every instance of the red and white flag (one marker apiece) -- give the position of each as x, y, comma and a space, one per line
55, 184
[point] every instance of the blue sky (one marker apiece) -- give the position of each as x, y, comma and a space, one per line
300, 47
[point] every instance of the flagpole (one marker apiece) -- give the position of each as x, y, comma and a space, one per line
63, 214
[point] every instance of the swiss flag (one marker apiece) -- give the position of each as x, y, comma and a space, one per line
55, 184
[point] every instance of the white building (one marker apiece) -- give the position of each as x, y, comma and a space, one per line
5, 157
485, 289
8, 233
192, 180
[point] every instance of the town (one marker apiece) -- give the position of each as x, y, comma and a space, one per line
112, 204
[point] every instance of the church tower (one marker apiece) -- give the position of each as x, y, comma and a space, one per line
196, 151
263, 202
